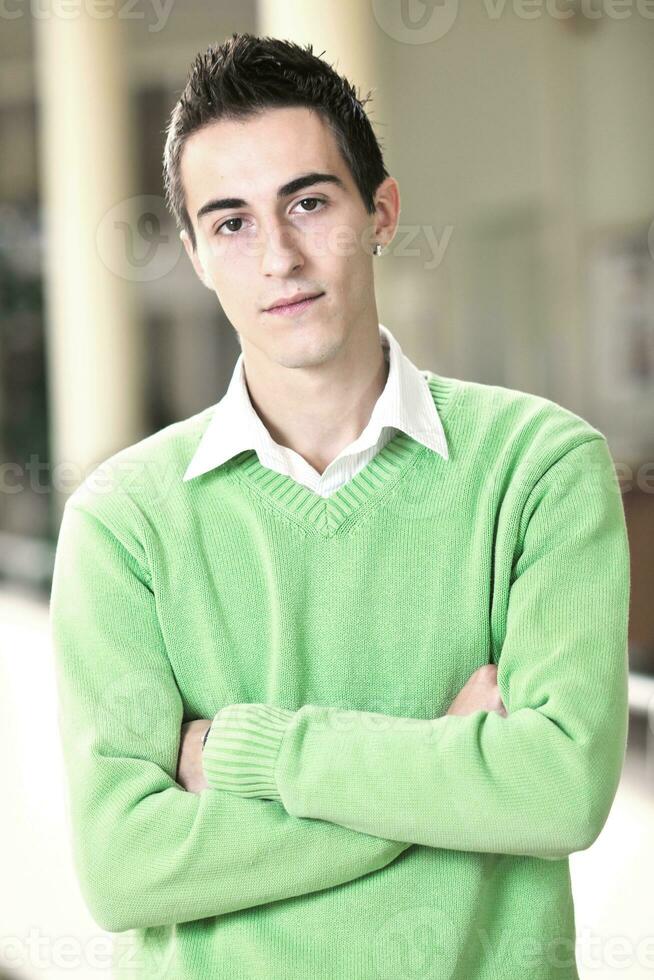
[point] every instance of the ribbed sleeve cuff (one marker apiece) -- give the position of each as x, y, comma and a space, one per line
242, 748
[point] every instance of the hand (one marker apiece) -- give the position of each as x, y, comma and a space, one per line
479, 693
190, 773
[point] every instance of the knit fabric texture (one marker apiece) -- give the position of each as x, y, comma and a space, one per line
350, 829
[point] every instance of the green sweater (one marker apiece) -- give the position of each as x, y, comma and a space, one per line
351, 829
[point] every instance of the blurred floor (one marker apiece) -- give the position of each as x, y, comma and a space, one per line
46, 931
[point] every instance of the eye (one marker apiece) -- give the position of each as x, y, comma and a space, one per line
314, 200
228, 222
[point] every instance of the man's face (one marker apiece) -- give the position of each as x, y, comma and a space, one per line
316, 238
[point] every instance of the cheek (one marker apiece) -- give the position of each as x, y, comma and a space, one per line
356, 275
231, 270
227, 254
345, 250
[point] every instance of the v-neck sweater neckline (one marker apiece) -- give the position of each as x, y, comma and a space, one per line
341, 509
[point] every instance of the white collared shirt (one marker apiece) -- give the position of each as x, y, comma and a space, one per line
405, 404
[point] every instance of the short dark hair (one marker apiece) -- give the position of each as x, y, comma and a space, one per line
246, 75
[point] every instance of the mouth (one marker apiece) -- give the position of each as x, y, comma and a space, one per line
293, 309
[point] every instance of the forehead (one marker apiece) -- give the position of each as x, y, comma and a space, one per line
251, 158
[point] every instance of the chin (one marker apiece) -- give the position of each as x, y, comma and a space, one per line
305, 351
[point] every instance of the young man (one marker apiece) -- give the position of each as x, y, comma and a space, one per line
394, 602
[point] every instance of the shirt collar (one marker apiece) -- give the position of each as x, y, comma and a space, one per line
406, 403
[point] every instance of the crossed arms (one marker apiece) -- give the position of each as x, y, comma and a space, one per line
539, 781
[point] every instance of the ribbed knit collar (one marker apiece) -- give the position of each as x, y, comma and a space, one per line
326, 515
342, 510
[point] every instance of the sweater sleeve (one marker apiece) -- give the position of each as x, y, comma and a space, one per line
146, 852
539, 781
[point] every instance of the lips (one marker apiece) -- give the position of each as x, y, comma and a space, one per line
297, 303
290, 300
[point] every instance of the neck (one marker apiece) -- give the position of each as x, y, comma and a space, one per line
317, 411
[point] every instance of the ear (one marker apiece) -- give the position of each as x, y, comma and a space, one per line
387, 205
195, 259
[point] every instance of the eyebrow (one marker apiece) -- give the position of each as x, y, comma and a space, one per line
297, 184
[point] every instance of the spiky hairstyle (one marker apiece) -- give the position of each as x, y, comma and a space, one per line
246, 75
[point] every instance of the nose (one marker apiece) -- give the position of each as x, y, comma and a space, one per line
281, 253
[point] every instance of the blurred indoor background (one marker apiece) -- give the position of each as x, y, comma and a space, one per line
522, 136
